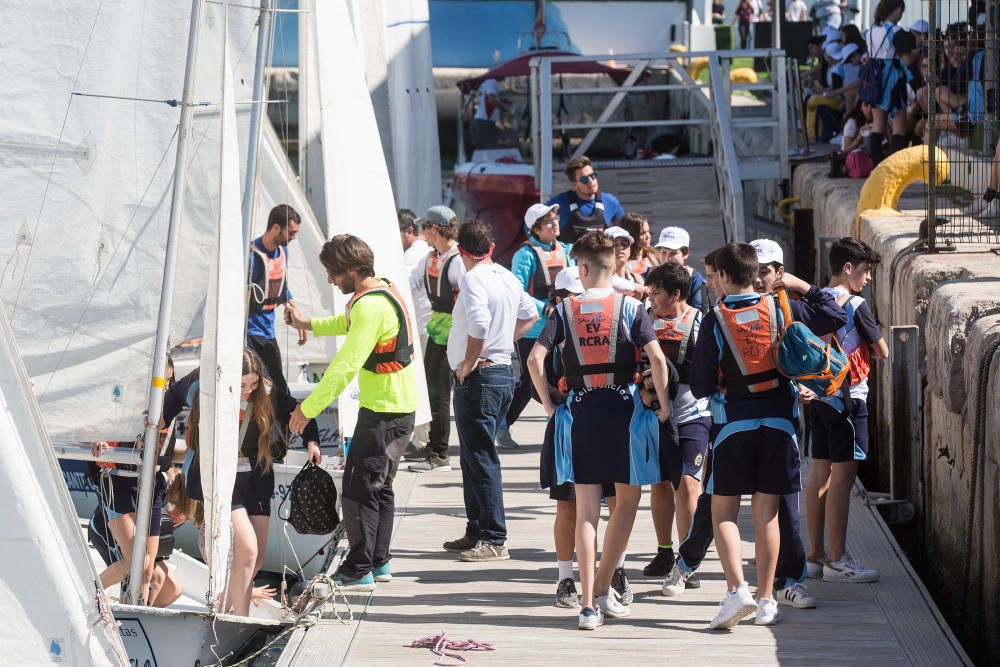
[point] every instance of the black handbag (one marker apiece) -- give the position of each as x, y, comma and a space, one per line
313, 498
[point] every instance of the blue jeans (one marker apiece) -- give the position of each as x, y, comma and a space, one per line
480, 404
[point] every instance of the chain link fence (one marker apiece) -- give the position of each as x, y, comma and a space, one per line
954, 109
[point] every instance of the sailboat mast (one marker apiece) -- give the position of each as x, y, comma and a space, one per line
151, 440
256, 112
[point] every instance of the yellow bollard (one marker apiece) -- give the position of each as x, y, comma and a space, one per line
883, 187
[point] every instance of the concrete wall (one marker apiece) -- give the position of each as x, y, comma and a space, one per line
954, 298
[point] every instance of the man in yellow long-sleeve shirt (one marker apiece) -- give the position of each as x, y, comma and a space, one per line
378, 349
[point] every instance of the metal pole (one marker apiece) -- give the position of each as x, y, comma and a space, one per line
932, 123
544, 146
151, 441
256, 111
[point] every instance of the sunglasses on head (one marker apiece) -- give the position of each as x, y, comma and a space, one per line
588, 178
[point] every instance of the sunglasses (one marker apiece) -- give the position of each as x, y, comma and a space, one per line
622, 243
588, 178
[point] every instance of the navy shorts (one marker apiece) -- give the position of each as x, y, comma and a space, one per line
253, 491
693, 439
671, 462
600, 435
837, 437
120, 496
752, 457
547, 471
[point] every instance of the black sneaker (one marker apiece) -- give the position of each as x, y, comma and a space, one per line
692, 581
660, 565
566, 595
619, 582
463, 543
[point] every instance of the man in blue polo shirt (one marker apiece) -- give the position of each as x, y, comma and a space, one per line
584, 208
268, 288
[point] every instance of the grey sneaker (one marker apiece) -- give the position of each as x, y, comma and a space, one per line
463, 543
412, 453
485, 551
504, 441
619, 582
430, 465
566, 595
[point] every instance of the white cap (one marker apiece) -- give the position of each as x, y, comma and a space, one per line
569, 280
536, 211
832, 50
674, 238
831, 33
848, 51
618, 233
768, 251
921, 26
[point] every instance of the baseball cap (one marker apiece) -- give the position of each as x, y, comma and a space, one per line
536, 211
831, 34
439, 215
921, 26
832, 50
569, 280
768, 251
673, 238
848, 51
618, 233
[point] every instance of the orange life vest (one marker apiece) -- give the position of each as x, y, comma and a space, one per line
595, 354
747, 365
858, 351
674, 337
269, 290
548, 266
396, 353
441, 293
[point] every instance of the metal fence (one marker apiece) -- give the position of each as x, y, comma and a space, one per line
960, 65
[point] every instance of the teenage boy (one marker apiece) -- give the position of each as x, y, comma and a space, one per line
601, 334
672, 247
439, 275
753, 440
535, 265
676, 325
840, 440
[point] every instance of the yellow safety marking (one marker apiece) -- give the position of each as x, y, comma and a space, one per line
159, 383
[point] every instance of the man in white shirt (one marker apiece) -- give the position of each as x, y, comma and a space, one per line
492, 312
796, 11
488, 108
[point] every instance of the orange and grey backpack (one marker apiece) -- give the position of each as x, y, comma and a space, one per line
804, 357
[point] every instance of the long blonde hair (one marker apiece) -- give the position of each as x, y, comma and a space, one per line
259, 402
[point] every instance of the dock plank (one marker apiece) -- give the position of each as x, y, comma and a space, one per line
510, 603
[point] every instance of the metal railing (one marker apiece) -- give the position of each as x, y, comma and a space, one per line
764, 115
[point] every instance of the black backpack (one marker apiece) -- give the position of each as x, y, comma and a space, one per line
313, 496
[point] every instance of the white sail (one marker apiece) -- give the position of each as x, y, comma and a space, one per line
222, 355
54, 607
357, 193
416, 164
368, 19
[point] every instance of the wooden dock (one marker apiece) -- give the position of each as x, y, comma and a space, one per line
510, 603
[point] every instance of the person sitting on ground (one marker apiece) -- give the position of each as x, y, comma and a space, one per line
584, 207
642, 257
673, 247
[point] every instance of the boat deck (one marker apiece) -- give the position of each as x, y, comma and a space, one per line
510, 603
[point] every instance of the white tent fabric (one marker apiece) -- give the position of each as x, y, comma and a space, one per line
358, 196
416, 163
54, 608
219, 390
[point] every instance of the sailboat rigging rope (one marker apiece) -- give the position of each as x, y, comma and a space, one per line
55, 154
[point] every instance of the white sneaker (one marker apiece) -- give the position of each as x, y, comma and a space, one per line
814, 570
734, 608
611, 605
767, 612
590, 619
673, 585
796, 595
847, 569
991, 210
